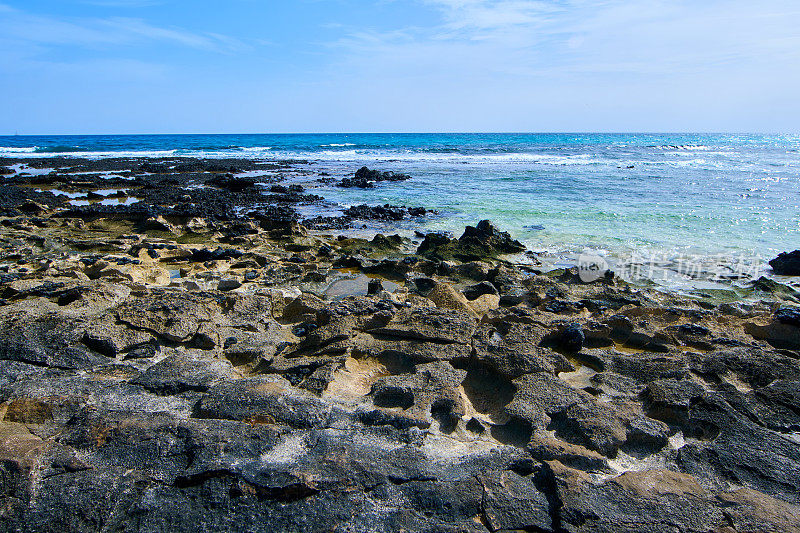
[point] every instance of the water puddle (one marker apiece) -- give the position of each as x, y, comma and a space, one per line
59, 192
111, 192
108, 201
22, 168
355, 286
580, 378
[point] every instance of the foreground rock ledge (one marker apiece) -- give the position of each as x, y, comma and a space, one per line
149, 409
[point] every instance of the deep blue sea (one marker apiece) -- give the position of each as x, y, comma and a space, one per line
669, 194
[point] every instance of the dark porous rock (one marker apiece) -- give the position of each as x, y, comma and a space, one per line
514, 350
271, 399
177, 373
546, 402
660, 500
477, 243
788, 315
514, 502
787, 264
361, 183
229, 284
386, 212
572, 338
233, 183
485, 235
203, 254
424, 285
430, 324
366, 178
474, 291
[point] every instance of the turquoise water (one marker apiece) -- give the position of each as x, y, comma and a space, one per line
698, 194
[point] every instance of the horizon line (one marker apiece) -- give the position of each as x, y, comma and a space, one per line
587, 132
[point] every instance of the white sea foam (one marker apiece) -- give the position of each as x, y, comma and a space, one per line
691, 147
336, 145
4, 150
414, 156
88, 155
255, 149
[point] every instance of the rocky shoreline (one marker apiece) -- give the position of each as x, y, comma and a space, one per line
181, 350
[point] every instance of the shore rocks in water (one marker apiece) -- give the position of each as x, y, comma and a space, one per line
479, 242
385, 212
366, 178
787, 264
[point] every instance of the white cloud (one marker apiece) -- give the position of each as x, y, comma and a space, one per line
561, 64
580, 36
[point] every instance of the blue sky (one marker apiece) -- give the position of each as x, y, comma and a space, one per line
202, 66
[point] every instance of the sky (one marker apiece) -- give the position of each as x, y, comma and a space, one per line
267, 66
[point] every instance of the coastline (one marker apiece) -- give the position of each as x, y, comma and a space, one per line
207, 342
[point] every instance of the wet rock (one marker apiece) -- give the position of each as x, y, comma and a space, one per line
365, 178
788, 315
486, 236
228, 284
474, 291
389, 213
787, 264
477, 243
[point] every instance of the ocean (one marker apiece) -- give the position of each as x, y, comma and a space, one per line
654, 196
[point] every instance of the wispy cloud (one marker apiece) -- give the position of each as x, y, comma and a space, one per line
542, 37
24, 27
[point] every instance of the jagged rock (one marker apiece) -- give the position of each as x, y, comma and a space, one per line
270, 399
515, 349
545, 401
175, 317
429, 324
475, 291
573, 407
788, 315
446, 297
305, 304
178, 373
514, 502
365, 178
229, 284
659, 500
476, 243
787, 264
430, 392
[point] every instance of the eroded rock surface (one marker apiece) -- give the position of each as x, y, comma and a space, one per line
349, 385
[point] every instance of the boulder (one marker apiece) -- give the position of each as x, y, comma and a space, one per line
477, 243
787, 264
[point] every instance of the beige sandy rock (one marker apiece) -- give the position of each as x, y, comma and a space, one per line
446, 297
